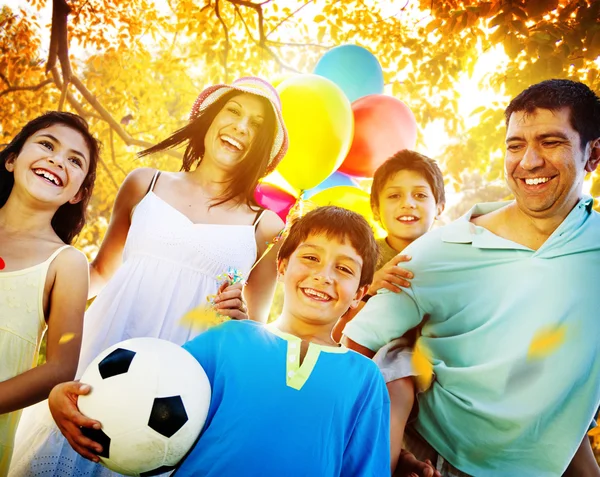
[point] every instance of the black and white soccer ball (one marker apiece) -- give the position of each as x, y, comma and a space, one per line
152, 398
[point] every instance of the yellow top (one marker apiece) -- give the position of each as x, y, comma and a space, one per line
22, 324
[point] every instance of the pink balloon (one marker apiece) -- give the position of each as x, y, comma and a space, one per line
383, 125
273, 198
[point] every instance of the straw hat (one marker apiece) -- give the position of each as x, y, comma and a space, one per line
259, 87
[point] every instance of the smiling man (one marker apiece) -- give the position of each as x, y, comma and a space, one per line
507, 297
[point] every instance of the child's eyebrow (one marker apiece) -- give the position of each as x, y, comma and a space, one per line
50, 136
342, 256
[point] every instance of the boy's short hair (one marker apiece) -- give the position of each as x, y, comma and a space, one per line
406, 160
336, 223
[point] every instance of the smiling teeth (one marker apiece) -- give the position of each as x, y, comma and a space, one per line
318, 294
47, 175
233, 142
537, 180
407, 219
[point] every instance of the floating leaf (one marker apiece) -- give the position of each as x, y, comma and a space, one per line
546, 341
421, 363
65, 338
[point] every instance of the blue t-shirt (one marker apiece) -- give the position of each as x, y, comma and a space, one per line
513, 335
272, 416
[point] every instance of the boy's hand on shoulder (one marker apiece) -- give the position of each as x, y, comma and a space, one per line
230, 302
410, 466
391, 276
62, 402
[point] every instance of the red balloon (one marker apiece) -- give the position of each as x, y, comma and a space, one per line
383, 125
273, 198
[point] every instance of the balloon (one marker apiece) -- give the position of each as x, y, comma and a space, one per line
383, 125
334, 180
276, 179
350, 198
281, 78
273, 198
319, 121
354, 69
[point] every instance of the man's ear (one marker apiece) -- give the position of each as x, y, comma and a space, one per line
594, 159
9, 165
281, 268
362, 291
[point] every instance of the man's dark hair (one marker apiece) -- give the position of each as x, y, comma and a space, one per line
555, 94
336, 223
412, 161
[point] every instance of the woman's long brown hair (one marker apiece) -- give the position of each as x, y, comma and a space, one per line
245, 176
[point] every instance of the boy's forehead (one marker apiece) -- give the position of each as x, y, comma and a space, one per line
407, 178
323, 241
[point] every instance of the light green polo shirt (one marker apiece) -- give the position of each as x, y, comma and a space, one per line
514, 336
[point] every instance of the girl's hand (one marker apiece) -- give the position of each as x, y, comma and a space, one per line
63, 406
229, 301
391, 276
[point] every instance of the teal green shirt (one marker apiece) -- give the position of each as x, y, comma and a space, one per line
513, 335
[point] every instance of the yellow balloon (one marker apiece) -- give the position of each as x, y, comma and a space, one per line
351, 198
281, 78
320, 124
277, 179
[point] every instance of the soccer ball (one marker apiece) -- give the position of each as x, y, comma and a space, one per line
152, 398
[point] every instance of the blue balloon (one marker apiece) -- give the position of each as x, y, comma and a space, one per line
354, 69
334, 180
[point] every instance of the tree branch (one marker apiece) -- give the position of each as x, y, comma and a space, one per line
106, 116
25, 88
313, 45
112, 152
226, 52
5, 79
263, 40
288, 17
110, 176
59, 42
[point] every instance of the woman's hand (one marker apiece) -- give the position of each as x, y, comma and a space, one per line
63, 406
230, 302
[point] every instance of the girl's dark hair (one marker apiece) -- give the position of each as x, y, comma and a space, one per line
246, 174
69, 219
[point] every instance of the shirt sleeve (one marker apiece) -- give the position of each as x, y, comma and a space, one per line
368, 451
204, 348
386, 316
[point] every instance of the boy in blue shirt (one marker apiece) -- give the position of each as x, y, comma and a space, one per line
287, 400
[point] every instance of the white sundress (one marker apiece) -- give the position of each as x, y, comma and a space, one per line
169, 267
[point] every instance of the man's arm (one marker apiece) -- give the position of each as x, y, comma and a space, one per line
386, 316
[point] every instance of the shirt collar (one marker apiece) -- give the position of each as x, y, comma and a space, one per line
464, 231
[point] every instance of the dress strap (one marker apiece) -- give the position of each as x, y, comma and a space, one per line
56, 252
259, 215
153, 183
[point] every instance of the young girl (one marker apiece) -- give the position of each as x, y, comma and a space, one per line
171, 235
46, 177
